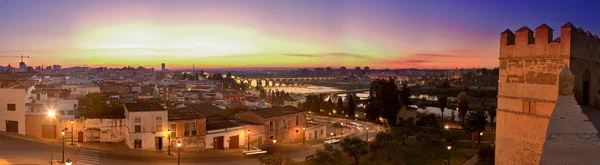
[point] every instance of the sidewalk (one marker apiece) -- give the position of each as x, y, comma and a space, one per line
472, 161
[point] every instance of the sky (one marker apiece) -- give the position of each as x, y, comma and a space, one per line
259, 33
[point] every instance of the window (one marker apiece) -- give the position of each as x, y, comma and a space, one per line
158, 123
70, 112
271, 137
321, 131
173, 129
271, 125
284, 123
194, 132
297, 120
11, 107
62, 113
138, 124
186, 129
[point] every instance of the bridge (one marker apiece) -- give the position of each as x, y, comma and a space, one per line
278, 81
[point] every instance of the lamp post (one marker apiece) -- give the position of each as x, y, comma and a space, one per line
72, 132
51, 116
63, 145
303, 135
248, 140
331, 139
274, 144
449, 147
178, 152
367, 139
329, 117
480, 137
169, 132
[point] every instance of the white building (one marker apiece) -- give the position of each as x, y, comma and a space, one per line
66, 107
147, 125
81, 89
13, 107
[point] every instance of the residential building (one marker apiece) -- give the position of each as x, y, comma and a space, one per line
231, 134
209, 111
188, 127
147, 125
283, 124
13, 107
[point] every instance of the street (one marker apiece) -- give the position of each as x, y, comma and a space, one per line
20, 151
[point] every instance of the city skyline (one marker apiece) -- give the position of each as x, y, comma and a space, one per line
268, 34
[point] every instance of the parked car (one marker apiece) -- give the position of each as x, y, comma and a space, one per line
332, 141
337, 125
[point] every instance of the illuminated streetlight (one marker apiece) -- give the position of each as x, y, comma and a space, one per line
367, 133
169, 132
446, 127
480, 137
51, 113
62, 133
72, 130
303, 134
248, 140
178, 152
449, 147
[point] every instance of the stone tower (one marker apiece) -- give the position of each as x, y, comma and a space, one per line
528, 87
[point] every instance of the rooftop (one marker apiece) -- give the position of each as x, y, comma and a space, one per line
206, 109
183, 113
140, 107
276, 111
221, 125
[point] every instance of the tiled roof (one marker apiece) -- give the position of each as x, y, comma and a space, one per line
139, 107
276, 111
207, 110
221, 125
183, 113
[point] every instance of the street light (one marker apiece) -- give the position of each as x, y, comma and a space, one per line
178, 151
72, 132
331, 137
329, 117
248, 140
303, 134
480, 137
449, 147
169, 132
274, 144
63, 145
367, 134
51, 113
446, 127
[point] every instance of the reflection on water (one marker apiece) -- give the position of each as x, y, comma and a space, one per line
438, 112
305, 89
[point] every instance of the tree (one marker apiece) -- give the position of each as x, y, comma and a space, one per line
463, 105
387, 149
492, 113
94, 105
275, 159
428, 120
351, 109
442, 104
474, 123
340, 104
354, 147
384, 101
405, 95
328, 155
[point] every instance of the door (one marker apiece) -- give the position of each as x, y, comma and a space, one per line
234, 142
586, 93
80, 137
49, 131
259, 141
158, 143
315, 134
218, 143
137, 144
12, 126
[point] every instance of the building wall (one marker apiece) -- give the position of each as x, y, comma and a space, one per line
189, 142
13, 96
226, 133
111, 130
321, 132
148, 128
528, 86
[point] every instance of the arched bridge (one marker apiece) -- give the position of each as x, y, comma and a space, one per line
278, 81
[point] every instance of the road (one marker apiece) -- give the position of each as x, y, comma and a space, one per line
20, 151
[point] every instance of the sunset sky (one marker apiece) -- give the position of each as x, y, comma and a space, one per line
307, 33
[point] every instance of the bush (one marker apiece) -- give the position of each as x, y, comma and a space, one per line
487, 154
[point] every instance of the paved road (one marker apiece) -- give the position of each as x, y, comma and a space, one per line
20, 151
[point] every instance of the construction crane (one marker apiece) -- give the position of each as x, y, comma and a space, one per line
18, 56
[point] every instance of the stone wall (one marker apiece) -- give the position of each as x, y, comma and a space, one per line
529, 85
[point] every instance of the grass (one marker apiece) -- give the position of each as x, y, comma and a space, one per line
414, 154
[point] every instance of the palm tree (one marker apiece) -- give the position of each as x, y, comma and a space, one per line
442, 103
